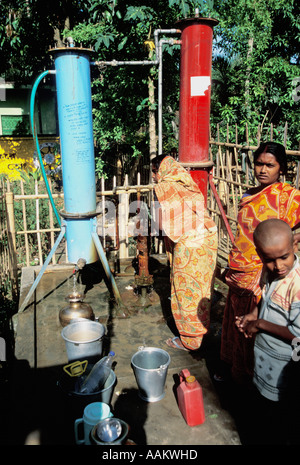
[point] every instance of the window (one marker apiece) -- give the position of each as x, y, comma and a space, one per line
15, 125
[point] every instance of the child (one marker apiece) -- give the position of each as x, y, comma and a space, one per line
276, 324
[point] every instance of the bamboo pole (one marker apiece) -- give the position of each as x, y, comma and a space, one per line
36, 231
11, 232
250, 147
51, 225
25, 225
228, 181
127, 218
117, 223
229, 168
103, 211
37, 196
37, 214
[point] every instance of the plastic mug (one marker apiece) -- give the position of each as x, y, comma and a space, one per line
92, 414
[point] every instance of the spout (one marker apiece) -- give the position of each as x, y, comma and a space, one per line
70, 42
81, 262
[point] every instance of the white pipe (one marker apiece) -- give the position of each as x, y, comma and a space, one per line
143, 62
160, 71
122, 63
158, 61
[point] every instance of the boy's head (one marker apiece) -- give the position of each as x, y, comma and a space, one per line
276, 247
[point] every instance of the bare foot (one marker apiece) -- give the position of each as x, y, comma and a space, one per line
175, 343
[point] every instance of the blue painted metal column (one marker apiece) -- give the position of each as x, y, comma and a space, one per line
74, 101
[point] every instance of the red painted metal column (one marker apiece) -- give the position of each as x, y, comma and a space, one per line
194, 102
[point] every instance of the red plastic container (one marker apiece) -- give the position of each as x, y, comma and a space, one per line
190, 399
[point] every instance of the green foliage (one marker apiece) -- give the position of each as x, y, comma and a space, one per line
255, 65
187, 8
260, 51
27, 31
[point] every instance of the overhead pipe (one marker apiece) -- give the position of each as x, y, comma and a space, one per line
160, 80
156, 62
139, 62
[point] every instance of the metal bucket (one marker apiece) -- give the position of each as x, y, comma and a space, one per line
83, 340
150, 366
109, 432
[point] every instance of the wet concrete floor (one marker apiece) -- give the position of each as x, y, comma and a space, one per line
44, 414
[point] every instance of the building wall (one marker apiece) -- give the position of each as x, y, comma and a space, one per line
15, 111
24, 147
17, 146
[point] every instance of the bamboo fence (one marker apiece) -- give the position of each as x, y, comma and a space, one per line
28, 228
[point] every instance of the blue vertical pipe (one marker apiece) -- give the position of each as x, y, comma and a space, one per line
74, 102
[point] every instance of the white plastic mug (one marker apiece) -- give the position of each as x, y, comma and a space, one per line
93, 413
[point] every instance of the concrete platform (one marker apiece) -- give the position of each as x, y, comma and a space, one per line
41, 410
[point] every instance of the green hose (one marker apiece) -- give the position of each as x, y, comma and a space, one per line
35, 137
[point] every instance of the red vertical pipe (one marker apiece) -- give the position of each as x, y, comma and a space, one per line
194, 102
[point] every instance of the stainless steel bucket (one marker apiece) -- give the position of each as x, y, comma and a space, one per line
150, 366
83, 339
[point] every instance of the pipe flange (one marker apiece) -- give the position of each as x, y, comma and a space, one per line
144, 280
77, 216
204, 164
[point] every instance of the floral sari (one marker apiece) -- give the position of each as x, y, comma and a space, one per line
191, 243
279, 200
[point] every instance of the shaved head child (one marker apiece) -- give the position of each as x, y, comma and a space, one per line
276, 323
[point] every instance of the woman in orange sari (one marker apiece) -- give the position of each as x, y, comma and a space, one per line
271, 199
191, 244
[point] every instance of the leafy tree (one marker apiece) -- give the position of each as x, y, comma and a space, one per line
255, 64
122, 96
27, 29
262, 39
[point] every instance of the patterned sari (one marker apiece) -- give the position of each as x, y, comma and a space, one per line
191, 243
279, 200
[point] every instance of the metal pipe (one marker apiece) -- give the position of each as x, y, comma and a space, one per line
122, 63
195, 88
74, 101
47, 261
160, 75
140, 62
158, 61
106, 267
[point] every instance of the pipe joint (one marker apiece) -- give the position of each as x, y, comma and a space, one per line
198, 165
77, 216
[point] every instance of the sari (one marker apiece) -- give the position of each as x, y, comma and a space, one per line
279, 200
191, 246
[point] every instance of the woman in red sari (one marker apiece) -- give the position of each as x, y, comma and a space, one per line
271, 199
191, 244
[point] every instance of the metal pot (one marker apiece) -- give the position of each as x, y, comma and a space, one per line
76, 309
83, 339
109, 432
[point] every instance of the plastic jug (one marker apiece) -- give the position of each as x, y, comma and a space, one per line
99, 374
190, 399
